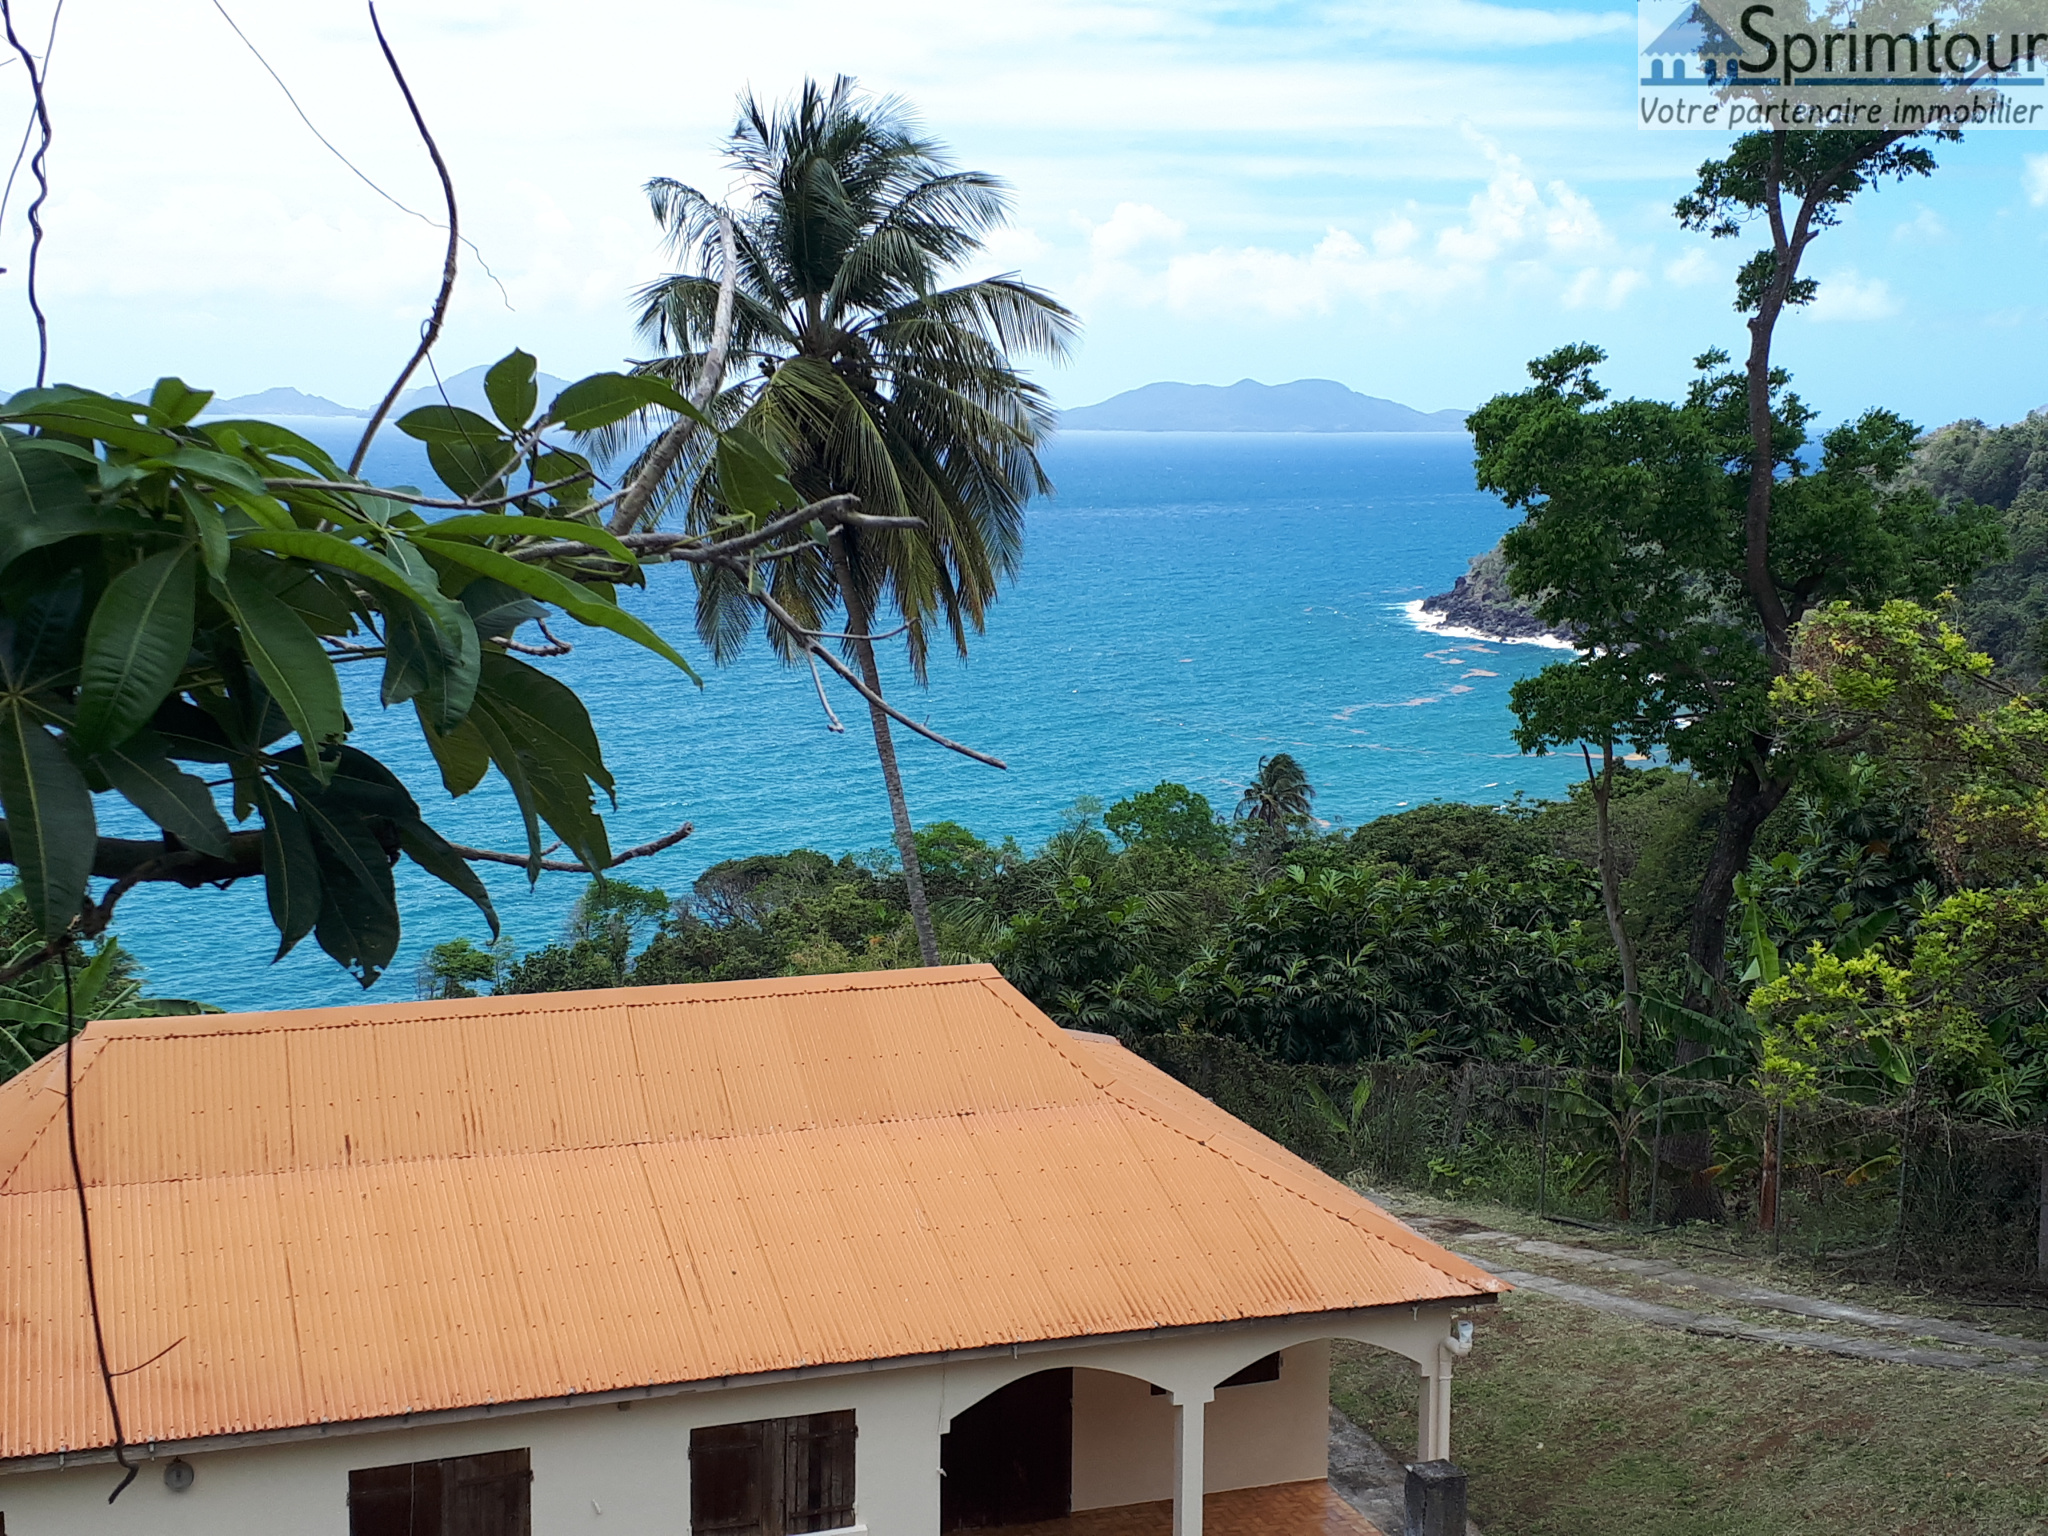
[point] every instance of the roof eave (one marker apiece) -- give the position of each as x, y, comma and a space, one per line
155, 1449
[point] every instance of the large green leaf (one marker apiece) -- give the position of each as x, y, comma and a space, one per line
420, 664
142, 773
175, 403
510, 388
450, 423
432, 852
135, 647
324, 548
750, 478
291, 868
49, 817
604, 398
576, 601
289, 658
84, 413
532, 787
43, 500
273, 441
463, 756
545, 716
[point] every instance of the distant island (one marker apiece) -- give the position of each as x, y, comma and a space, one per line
1306, 405
465, 389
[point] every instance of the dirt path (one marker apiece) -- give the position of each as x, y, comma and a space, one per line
1981, 1351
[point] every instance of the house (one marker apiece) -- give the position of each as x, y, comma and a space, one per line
1698, 37
886, 1253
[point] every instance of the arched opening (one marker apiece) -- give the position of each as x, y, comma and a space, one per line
1009, 1460
1678, 69
1656, 69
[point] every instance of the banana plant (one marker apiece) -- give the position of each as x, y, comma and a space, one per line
177, 597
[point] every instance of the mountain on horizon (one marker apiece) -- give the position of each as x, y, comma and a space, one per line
1306, 405
465, 389
281, 401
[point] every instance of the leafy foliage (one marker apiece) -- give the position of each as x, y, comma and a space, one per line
176, 599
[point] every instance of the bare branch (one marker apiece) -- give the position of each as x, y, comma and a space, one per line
563, 866
556, 646
38, 169
796, 631
824, 703
432, 333
668, 447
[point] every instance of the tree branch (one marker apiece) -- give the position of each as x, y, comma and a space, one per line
432, 333
564, 866
39, 169
796, 631
693, 548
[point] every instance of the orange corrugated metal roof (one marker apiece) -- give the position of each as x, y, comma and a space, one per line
350, 1213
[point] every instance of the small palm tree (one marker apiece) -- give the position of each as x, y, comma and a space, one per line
1279, 795
853, 358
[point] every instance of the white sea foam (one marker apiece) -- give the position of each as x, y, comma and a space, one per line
1432, 624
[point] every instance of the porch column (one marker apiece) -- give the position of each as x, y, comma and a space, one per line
1427, 1447
1190, 1414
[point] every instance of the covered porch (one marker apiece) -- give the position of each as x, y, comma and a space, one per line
1209, 1434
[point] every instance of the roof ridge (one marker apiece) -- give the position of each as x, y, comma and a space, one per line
694, 994
1400, 1235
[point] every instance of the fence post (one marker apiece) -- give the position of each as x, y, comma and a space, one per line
1543, 1152
1657, 1152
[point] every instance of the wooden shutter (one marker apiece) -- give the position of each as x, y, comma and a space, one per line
728, 1480
773, 1477
401, 1500
817, 1480
490, 1495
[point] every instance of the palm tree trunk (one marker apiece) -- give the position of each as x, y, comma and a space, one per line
885, 745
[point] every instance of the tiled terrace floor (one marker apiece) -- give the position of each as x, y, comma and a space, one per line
1286, 1509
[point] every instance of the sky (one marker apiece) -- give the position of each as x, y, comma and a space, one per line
1413, 200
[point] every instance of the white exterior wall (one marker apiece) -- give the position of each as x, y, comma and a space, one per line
1263, 1432
598, 1471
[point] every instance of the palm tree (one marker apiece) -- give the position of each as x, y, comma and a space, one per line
851, 358
1279, 795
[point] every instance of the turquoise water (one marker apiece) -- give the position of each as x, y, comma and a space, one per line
1188, 604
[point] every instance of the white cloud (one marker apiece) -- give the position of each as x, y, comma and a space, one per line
1849, 296
1470, 23
1595, 288
2036, 178
1925, 225
1511, 214
1690, 270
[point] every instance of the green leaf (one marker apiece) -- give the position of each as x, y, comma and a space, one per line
219, 468
175, 403
291, 869
449, 423
88, 414
211, 529
358, 924
43, 500
464, 757
510, 388
49, 817
432, 852
289, 659
566, 595
750, 478
470, 469
547, 715
511, 524
142, 773
604, 398
358, 560
273, 441
135, 647
419, 663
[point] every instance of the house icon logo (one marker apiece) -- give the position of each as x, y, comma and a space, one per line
1693, 50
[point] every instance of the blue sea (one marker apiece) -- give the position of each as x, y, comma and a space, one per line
1188, 604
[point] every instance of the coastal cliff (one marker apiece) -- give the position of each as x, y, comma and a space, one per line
1480, 601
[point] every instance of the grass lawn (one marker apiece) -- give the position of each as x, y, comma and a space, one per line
1572, 1423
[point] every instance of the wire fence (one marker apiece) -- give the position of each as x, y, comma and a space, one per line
1884, 1191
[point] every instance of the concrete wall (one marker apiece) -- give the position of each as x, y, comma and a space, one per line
1263, 1432
598, 1471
